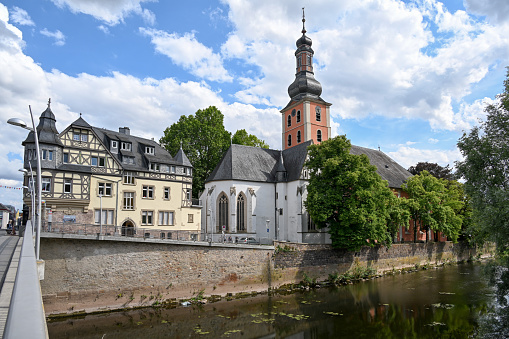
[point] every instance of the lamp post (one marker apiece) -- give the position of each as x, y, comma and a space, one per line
22, 124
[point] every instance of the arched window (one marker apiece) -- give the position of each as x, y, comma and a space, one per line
298, 116
289, 120
290, 140
318, 111
319, 136
298, 136
241, 213
222, 212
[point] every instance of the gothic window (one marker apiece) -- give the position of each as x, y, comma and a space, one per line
241, 213
222, 212
311, 224
318, 113
290, 140
289, 120
298, 116
298, 136
319, 136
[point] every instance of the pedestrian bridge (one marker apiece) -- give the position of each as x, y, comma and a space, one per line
21, 309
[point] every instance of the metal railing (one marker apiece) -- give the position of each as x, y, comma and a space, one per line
26, 317
118, 231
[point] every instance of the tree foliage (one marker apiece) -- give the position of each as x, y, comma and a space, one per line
346, 195
433, 205
203, 139
485, 169
241, 137
434, 169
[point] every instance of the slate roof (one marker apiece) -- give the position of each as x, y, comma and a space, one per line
46, 130
387, 168
246, 163
141, 160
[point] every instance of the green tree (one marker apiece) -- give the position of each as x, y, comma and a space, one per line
346, 195
434, 169
485, 168
203, 139
241, 137
430, 203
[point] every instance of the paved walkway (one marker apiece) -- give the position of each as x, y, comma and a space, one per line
10, 250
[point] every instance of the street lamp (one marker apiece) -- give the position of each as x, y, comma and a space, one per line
22, 124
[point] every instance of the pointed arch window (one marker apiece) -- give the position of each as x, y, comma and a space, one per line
290, 140
298, 116
241, 213
319, 136
222, 212
289, 120
298, 136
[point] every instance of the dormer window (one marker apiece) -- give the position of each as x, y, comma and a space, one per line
150, 150
128, 160
126, 146
154, 167
114, 144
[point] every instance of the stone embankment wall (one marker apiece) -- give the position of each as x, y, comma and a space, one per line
293, 261
85, 274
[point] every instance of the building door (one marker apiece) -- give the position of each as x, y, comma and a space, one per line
128, 229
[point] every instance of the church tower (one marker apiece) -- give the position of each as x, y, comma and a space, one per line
307, 115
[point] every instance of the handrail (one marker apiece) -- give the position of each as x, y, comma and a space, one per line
26, 318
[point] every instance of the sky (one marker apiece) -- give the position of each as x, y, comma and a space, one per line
406, 76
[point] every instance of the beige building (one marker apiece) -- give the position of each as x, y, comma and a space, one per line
94, 176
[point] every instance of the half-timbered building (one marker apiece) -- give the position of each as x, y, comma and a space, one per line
97, 176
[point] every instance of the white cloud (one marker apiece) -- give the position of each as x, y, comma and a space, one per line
433, 140
57, 35
21, 17
112, 12
190, 54
409, 156
494, 10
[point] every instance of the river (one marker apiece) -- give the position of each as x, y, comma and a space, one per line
435, 303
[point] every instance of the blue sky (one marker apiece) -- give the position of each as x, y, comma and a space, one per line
406, 76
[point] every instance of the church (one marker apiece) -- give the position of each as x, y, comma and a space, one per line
260, 193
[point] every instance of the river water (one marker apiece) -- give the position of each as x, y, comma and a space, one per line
447, 302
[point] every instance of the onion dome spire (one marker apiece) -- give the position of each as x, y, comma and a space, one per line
305, 84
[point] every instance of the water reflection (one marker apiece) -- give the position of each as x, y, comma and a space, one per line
446, 302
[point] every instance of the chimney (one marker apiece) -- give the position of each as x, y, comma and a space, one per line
124, 130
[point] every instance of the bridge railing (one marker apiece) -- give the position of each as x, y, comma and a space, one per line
26, 317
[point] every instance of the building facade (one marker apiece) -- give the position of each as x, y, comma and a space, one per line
94, 176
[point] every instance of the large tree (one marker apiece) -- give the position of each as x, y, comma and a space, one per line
434, 169
432, 205
346, 195
241, 137
204, 140
485, 169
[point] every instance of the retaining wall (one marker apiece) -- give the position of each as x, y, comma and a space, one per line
83, 273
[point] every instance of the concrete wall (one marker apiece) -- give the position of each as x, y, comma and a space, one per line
82, 273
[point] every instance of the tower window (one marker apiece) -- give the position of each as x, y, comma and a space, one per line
318, 113
289, 120
298, 116
319, 136
309, 60
290, 140
299, 61
298, 136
